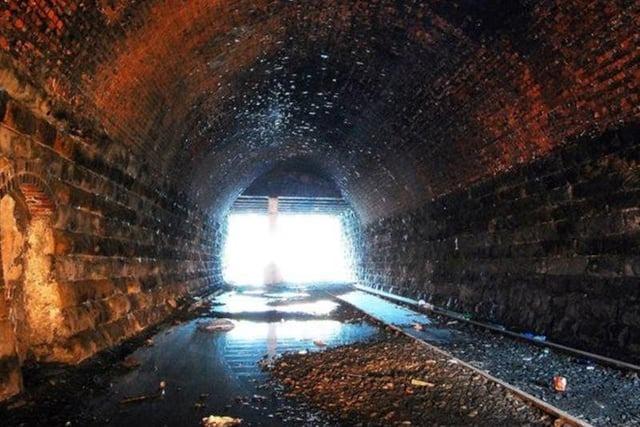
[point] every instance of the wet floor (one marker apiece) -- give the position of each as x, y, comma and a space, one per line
416, 324
185, 373
189, 373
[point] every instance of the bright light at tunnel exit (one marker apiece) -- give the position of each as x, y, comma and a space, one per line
306, 249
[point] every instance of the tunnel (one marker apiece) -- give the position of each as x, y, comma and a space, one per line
476, 163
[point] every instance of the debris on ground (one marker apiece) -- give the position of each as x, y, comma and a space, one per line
418, 327
420, 383
534, 337
531, 367
216, 325
396, 381
425, 305
559, 383
319, 343
218, 421
136, 399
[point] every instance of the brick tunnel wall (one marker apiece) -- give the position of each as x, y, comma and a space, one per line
411, 107
552, 247
122, 254
400, 101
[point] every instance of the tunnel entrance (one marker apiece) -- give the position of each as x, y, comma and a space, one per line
301, 248
287, 227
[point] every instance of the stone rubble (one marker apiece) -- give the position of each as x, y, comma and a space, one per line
397, 381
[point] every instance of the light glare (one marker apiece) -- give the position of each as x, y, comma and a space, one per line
306, 248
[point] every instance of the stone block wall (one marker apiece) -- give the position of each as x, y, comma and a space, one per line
93, 251
551, 247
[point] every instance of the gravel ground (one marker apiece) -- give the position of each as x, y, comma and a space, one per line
396, 381
596, 393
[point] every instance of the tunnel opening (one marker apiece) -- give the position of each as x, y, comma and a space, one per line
303, 248
287, 228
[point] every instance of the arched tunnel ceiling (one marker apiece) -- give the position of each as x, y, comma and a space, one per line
399, 101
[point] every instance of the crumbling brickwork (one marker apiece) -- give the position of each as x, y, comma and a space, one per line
552, 247
113, 256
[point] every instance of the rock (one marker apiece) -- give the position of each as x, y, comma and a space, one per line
220, 421
216, 325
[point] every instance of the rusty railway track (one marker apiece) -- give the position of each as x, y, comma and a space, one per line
608, 361
566, 418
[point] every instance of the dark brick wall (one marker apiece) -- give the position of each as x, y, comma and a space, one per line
400, 101
121, 256
552, 247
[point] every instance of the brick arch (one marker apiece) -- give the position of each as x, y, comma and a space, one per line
35, 207
28, 189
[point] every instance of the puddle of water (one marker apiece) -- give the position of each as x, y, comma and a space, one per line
397, 315
287, 295
260, 303
220, 366
388, 311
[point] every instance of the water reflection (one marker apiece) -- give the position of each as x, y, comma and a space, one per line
291, 330
221, 369
235, 302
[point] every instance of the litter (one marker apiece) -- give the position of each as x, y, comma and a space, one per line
319, 343
142, 398
420, 383
136, 399
418, 327
534, 337
222, 325
423, 304
217, 421
559, 383
453, 322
